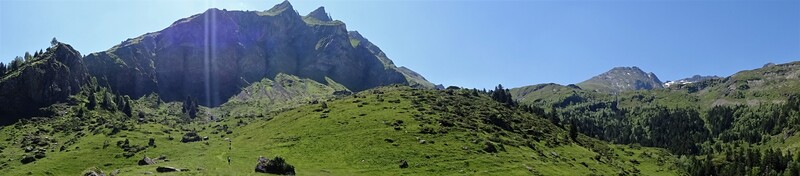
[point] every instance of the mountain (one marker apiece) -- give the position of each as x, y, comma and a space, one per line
695, 78
766, 85
622, 79
48, 78
213, 55
711, 119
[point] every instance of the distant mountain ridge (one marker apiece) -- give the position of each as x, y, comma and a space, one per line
622, 79
768, 85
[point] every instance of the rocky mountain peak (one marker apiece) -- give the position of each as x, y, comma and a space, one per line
320, 14
279, 8
622, 79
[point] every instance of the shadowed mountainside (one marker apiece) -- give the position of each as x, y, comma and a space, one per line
213, 55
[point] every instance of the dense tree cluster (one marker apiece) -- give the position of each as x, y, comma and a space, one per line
754, 123
18, 61
110, 102
503, 96
15, 64
676, 129
691, 131
735, 160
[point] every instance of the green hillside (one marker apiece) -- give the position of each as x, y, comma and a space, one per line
369, 133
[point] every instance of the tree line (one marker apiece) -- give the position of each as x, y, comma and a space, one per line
19, 61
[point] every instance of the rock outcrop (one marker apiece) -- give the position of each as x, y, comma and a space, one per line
190, 137
274, 166
146, 161
163, 169
320, 14
693, 79
44, 80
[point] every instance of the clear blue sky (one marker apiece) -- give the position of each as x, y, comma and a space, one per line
471, 43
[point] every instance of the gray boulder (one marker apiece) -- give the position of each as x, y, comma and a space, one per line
146, 161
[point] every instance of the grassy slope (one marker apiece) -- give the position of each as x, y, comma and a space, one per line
351, 140
286, 91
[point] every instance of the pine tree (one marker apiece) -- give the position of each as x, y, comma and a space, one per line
503, 96
108, 102
92, 101
708, 166
54, 42
498, 93
28, 56
3, 69
553, 117
508, 99
16, 63
573, 131
190, 107
127, 109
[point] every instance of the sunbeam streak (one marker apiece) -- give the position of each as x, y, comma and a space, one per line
208, 52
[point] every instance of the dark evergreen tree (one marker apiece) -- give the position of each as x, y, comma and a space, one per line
553, 117
3, 69
498, 93
708, 166
108, 102
190, 107
127, 109
16, 63
28, 56
573, 131
92, 101
503, 96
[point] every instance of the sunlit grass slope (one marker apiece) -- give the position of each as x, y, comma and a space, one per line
449, 132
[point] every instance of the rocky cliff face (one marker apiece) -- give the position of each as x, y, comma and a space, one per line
693, 79
212, 55
47, 79
622, 79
